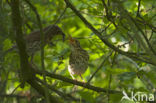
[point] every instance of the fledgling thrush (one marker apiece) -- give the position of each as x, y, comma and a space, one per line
78, 60
33, 40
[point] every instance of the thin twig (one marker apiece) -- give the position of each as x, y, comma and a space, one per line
111, 34
138, 11
100, 66
123, 45
15, 89
41, 30
146, 39
144, 79
110, 77
104, 30
91, 15
4, 83
145, 22
129, 17
42, 43
151, 35
108, 13
31, 29
61, 15
101, 37
59, 63
105, 6
108, 3
61, 94
109, 87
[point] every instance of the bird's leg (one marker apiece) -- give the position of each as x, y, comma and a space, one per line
75, 86
82, 78
84, 84
71, 75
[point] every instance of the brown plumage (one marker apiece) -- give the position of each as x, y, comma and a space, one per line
78, 60
33, 40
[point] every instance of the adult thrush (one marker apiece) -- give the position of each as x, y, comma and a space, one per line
33, 40
78, 60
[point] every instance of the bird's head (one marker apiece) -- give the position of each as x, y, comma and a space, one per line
75, 44
52, 31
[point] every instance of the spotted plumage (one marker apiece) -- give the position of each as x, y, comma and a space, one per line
78, 60
33, 40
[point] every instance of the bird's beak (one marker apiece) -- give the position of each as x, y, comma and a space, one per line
71, 40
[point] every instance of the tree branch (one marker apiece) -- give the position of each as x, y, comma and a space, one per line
138, 11
11, 96
82, 84
146, 39
41, 90
42, 43
101, 37
61, 94
41, 32
26, 72
26, 68
136, 29
100, 66
61, 16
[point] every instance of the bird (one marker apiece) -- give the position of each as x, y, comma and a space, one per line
33, 40
78, 59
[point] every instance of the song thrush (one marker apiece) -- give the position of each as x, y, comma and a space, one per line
33, 40
78, 60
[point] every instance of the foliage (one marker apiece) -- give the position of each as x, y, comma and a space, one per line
129, 65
